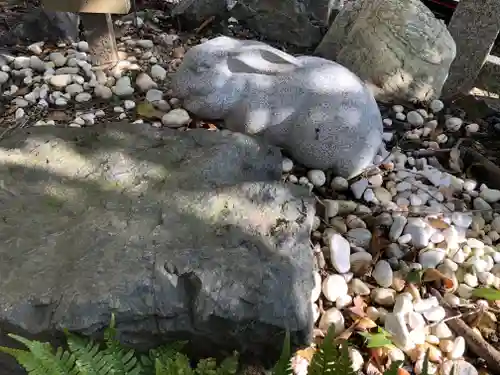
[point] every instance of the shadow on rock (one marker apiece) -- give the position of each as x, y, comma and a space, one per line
182, 235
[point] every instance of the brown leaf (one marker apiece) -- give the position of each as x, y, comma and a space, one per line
58, 116
365, 324
371, 368
402, 371
148, 111
347, 333
448, 192
306, 353
210, 126
378, 243
359, 306
438, 223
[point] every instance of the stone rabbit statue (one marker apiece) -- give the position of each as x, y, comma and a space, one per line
319, 112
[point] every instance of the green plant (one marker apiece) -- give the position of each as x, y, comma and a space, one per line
88, 357
332, 358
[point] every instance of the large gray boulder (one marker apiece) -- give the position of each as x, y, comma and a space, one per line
315, 109
184, 236
298, 22
398, 47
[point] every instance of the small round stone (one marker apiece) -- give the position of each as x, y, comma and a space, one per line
334, 286
286, 165
436, 105
317, 177
339, 184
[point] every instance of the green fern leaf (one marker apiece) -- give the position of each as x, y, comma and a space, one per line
90, 360
177, 365
329, 359
283, 366
40, 358
119, 361
229, 366
344, 364
323, 360
393, 369
425, 367
207, 366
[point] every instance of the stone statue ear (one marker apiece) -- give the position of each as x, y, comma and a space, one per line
261, 60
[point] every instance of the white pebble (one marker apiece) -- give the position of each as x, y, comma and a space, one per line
286, 165
339, 184
129, 104
382, 273
83, 97
415, 118
145, 82
317, 177
340, 251
436, 105
334, 317
458, 348
453, 123
472, 128
158, 72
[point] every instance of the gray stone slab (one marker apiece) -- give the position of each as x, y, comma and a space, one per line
183, 235
474, 27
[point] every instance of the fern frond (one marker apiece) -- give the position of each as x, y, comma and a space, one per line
229, 366
394, 368
40, 358
118, 360
90, 359
178, 364
284, 366
328, 359
206, 366
344, 364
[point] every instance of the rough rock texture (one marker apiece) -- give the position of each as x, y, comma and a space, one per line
184, 236
475, 27
397, 46
199, 10
39, 24
299, 22
315, 109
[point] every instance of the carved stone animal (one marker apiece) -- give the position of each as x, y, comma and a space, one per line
318, 111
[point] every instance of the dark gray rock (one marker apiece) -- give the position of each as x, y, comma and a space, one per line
40, 24
299, 22
199, 10
183, 235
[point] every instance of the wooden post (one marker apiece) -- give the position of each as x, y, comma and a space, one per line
101, 39
98, 25
474, 26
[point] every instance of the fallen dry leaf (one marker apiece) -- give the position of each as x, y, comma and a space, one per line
365, 324
402, 371
371, 368
344, 336
438, 223
378, 243
448, 192
306, 353
58, 116
359, 306
147, 110
432, 274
